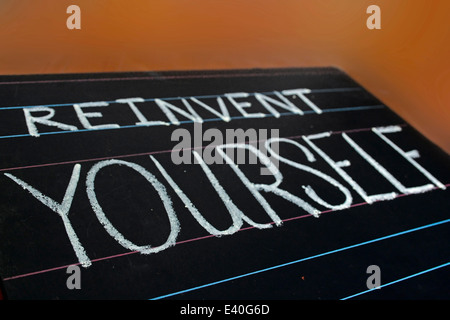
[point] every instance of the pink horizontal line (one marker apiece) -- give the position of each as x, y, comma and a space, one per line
84, 160
363, 129
156, 77
98, 159
133, 252
191, 240
152, 152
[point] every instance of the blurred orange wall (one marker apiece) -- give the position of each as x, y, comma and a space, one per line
405, 64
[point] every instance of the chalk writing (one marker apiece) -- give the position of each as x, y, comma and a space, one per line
257, 190
34, 117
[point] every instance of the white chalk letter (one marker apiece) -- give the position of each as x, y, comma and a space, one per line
236, 215
301, 94
308, 189
400, 187
113, 232
167, 108
62, 209
142, 119
225, 116
272, 188
32, 120
410, 155
241, 105
337, 166
267, 102
82, 116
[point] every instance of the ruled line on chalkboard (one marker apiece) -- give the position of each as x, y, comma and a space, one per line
163, 77
210, 96
399, 280
163, 151
304, 259
198, 238
282, 114
156, 77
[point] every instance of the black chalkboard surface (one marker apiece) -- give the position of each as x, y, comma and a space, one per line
238, 184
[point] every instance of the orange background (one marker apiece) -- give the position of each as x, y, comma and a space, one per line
405, 64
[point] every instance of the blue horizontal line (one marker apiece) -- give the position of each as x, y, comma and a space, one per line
303, 259
399, 280
326, 90
360, 108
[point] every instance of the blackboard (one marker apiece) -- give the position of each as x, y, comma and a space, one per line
97, 172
